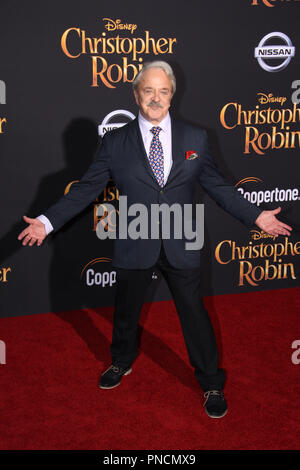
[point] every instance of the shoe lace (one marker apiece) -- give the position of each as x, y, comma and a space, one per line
214, 394
116, 369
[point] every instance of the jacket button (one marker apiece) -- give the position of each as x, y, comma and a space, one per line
161, 191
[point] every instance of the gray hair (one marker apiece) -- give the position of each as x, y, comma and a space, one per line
160, 64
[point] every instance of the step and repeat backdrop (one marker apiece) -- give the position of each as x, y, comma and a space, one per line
66, 72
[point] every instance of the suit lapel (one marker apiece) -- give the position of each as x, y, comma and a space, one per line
177, 152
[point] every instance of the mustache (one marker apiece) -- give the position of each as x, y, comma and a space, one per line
154, 103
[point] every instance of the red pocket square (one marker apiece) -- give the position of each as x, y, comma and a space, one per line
190, 154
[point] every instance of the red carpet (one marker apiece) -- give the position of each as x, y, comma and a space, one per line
49, 397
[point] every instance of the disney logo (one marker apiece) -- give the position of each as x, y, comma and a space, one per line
257, 235
264, 99
113, 25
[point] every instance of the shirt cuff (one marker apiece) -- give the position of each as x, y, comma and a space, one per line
46, 222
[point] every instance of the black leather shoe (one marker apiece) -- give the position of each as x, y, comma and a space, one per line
215, 404
112, 376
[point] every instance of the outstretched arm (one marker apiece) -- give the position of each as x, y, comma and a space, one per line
223, 192
227, 196
78, 198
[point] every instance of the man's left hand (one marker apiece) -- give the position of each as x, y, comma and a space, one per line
268, 222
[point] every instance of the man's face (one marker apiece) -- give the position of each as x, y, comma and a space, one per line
153, 95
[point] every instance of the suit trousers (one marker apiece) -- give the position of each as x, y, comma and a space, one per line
197, 329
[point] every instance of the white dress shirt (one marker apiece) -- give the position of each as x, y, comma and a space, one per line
46, 222
165, 138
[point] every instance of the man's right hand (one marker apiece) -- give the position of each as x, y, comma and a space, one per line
35, 232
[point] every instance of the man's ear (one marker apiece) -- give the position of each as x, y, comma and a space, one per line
136, 96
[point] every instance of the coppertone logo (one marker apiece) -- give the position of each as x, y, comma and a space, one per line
269, 195
108, 123
266, 51
93, 277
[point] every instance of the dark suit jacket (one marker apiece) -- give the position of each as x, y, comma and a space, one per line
122, 157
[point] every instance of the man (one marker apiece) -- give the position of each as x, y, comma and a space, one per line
147, 160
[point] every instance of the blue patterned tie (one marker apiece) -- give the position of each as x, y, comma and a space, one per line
156, 156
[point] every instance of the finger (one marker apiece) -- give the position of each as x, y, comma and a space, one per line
39, 242
285, 226
271, 232
282, 227
22, 234
26, 240
283, 232
28, 219
32, 241
276, 211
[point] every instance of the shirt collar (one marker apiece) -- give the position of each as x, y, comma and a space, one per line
145, 125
